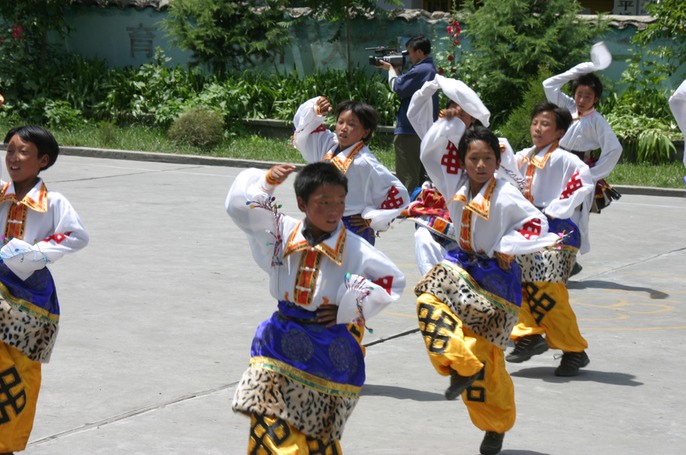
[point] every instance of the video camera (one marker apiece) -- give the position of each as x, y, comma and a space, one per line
395, 58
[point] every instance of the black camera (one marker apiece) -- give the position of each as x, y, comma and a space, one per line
395, 58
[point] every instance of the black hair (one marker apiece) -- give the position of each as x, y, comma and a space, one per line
563, 119
43, 139
364, 112
478, 133
315, 175
588, 80
419, 42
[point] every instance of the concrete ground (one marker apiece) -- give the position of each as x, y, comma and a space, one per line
159, 310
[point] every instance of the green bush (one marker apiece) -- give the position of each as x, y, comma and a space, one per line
517, 128
198, 127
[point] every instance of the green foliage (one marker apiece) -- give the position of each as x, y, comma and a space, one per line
644, 139
61, 113
517, 127
224, 34
198, 127
640, 116
24, 50
447, 58
512, 39
153, 94
670, 25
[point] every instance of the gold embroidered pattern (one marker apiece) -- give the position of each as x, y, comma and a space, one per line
319, 384
335, 252
535, 163
341, 161
481, 206
306, 279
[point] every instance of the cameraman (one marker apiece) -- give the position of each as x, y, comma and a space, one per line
408, 166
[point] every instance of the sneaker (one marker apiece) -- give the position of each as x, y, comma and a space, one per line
527, 347
458, 384
492, 443
571, 362
575, 269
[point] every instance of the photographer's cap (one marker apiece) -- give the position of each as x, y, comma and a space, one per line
467, 98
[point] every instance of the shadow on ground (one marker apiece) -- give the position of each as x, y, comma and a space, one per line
604, 377
600, 284
401, 393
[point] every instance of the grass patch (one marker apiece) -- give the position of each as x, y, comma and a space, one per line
246, 145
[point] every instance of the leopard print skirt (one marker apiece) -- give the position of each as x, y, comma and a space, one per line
485, 313
317, 414
552, 265
32, 333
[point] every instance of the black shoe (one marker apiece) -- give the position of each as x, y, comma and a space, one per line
571, 362
576, 269
527, 347
492, 443
458, 384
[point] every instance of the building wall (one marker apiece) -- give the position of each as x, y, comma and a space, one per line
129, 37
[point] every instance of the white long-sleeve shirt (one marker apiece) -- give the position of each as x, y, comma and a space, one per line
589, 130
310, 276
373, 191
39, 229
560, 181
677, 104
498, 218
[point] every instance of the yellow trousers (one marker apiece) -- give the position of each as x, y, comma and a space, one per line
20, 379
357, 331
546, 311
490, 399
274, 436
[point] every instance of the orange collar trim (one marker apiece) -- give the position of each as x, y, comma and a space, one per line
540, 162
481, 204
36, 199
343, 161
577, 115
333, 247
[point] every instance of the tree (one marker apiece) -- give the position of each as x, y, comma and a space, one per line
670, 25
24, 52
228, 34
511, 40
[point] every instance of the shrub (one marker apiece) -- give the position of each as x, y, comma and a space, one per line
198, 127
517, 128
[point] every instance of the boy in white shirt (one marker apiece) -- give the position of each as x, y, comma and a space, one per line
588, 132
40, 226
558, 182
306, 369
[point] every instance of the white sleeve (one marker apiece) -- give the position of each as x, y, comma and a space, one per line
577, 185
311, 137
553, 85
677, 104
610, 149
250, 205
420, 112
386, 196
378, 284
439, 155
69, 236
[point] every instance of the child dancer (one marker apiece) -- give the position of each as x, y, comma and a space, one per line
589, 131
677, 104
40, 226
468, 303
306, 369
376, 196
558, 182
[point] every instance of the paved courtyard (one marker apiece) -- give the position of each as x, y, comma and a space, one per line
159, 310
